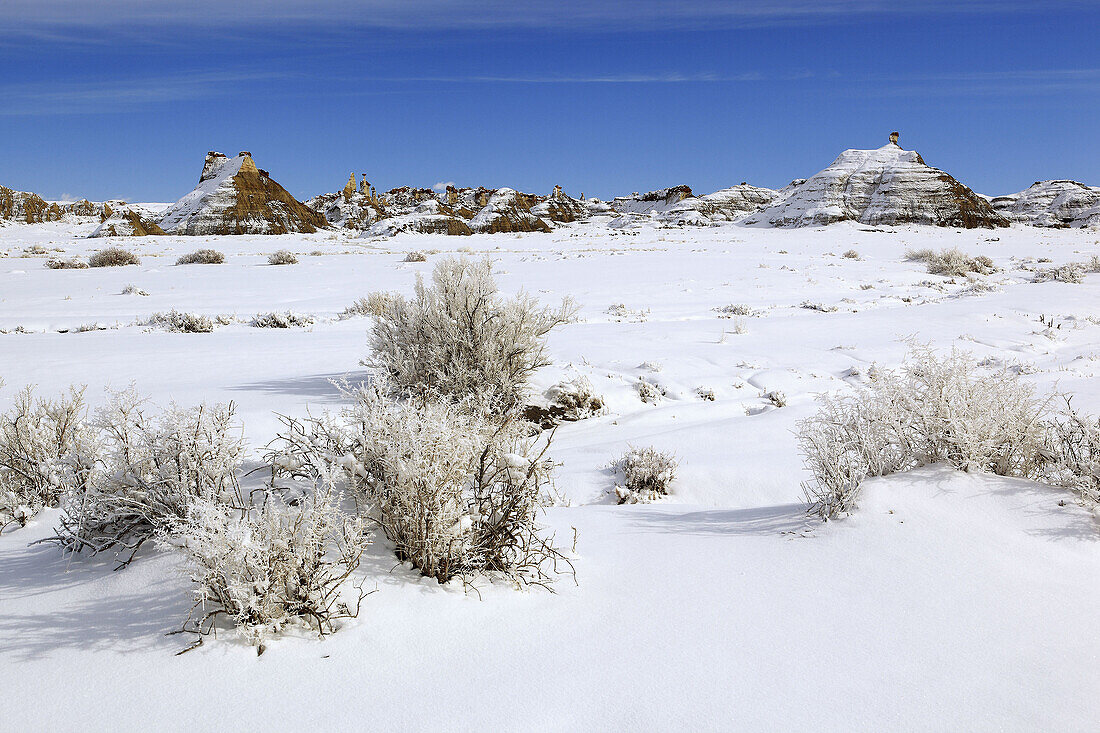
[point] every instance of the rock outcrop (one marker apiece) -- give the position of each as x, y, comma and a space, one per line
645, 203
235, 197
26, 208
875, 187
354, 207
1052, 204
30, 208
127, 220
508, 210
560, 208
729, 204
429, 217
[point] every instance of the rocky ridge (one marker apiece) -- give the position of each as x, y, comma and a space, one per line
885, 186
235, 197
1052, 204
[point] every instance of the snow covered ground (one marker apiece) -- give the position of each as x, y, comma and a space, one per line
948, 601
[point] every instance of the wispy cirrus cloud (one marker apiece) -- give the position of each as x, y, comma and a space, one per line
65, 19
117, 95
23, 99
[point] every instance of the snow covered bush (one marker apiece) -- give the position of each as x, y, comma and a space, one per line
131, 289
951, 262
567, 401
153, 465
735, 309
42, 446
1071, 272
459, 337
1076, 448
373, 305
821, 307
649, 392
457, 491
282, 257
647, 474
416, 257
70, 264
933, 409
266, 567
179, 322
113, 257
851, 255
282, 320
202, 257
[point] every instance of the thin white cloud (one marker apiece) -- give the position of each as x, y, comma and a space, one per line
118, 95
22, 99
60, 17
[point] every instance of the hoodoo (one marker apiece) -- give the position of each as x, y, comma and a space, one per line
235, 197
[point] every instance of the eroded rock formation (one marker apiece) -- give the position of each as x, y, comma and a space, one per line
235, 197
1052, 204
884, 186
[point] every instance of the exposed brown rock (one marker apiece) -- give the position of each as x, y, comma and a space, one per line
235, 197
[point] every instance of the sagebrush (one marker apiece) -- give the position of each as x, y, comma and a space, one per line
282, 257
456, 490
265, 567
951, 262
152, 465
113, 257
647, 475
42, 449
459, 338
202, 257
932, 409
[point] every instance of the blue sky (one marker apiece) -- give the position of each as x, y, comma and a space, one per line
122, 98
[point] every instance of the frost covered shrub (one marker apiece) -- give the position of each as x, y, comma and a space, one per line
932, 409
811, 305
41, 448
567, 401
178, 322
152, 467
70, 264
282, 257
113, 257
1072, 272
648, 392
951, 262
202, 257
776, 397
132, 289
851, 255
736, 309
456, 491
647, 473
266, 567
416, 257
373, 305
282, 320
1076, 447
459, 337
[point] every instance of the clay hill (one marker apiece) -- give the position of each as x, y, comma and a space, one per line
884, 186
236, 197
30, 208
1052, 204
127, 220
